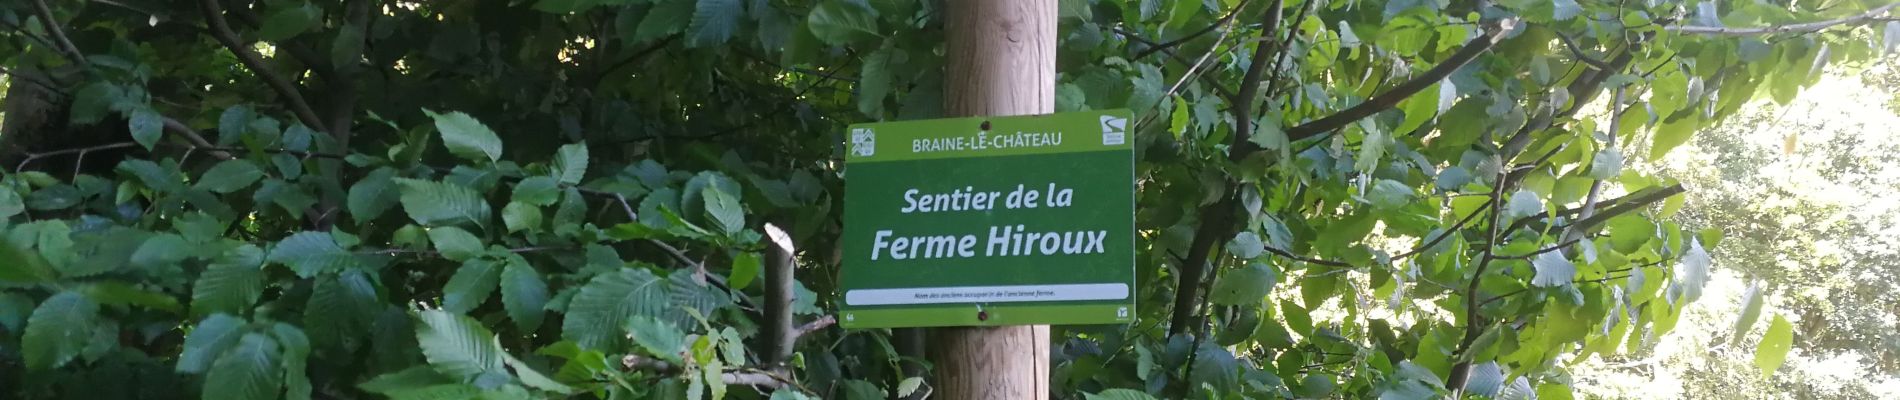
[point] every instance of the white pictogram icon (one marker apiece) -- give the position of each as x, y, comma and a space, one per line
863, 142
1114, 130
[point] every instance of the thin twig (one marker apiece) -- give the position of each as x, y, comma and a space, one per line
1790, 28
66, 44
1153, 48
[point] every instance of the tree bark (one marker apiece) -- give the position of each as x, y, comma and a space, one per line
1000, 61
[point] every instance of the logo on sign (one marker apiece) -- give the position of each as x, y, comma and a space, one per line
1114, 130
863, 142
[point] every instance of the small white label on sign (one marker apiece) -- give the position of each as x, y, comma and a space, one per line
1114, 130
863, 142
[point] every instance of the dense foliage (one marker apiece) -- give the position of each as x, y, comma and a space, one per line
356, 198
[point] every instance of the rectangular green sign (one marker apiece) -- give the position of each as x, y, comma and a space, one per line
990, 221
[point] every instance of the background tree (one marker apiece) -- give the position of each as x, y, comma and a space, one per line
555, 198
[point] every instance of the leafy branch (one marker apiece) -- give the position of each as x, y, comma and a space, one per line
1391, 98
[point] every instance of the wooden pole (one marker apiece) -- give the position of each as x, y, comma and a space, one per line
1000, 60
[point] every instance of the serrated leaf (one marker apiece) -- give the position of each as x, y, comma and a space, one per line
248, 371
1387, 194
231, 285
713, 22
296, 348
160, 250
59, 328
341, 308
838, 23
724, 209
1552, 269
146, 127
229, 176
529, 376
660, 338
524, 294
466, 137
1245, 286
310, 253
1608, 164
518, 216
208, 340
1671, 134
1523, 203
1246, 245
538, 190
454, 243
471, 285
456, 345
570, 163
436, 203
1751, 310
372, 195
1774, 346
1691, 274
598, 313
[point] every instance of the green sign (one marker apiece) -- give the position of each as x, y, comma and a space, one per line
990, 221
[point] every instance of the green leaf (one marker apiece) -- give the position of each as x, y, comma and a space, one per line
231, 285
436, 203
466, 137
538, 190
1608, 164
1552, 269
471, 285
296, 356
341, 309
659, 338
570, 163
529, 376
1774, 346
146, 127
874, 82
565, 6
454, 243
1419, 108
1119, 394
229, 176
1523, 203
1244, 286
1670, 134
1180, 12
160, 251
310, 253
839, 23
713, 22
247, 371
518, 216
289, 22
1691, 274
372, 195
665, 18
59, 328
598, 313
745, 268
10, 204
1387, 194
92, 101
724, 209
415, 381
456, 345
524, 294
1246, 245
119, 293
20, 266
208, 340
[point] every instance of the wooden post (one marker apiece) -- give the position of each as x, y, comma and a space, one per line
1000, 60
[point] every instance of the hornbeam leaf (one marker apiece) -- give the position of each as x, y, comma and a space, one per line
1774, 346
466, 137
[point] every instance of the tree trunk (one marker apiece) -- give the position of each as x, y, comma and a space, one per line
1000, 61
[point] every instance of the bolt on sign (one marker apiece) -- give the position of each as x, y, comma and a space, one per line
990, 221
